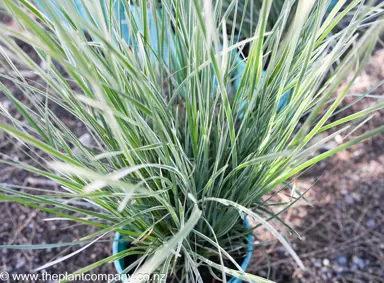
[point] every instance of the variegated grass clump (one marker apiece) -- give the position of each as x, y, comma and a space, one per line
179, 154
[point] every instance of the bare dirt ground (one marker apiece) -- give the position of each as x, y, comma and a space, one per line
342, 233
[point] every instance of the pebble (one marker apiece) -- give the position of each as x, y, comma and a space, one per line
371, 223
6, 104
356, 196
339, 139
349, 199
359, 261
342, 260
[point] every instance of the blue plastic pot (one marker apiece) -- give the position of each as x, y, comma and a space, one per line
119, 246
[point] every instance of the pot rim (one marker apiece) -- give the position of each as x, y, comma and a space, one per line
244, 265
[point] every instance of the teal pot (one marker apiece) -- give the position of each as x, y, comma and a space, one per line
119, 246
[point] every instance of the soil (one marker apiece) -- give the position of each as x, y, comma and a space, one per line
342, 232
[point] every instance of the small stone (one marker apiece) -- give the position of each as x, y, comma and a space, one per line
371, 223
339, 139
86, 139
359, 261
356, 196
342, 260
325, 262
349, 199
6, 104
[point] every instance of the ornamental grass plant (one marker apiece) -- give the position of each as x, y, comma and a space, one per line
198, 111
